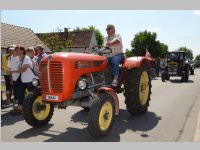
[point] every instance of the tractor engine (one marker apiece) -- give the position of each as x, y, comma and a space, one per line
66, 76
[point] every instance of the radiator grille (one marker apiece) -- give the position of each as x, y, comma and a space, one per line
55, 77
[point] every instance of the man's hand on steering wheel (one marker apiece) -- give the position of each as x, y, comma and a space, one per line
102, 49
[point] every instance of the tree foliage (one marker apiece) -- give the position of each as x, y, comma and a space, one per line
98, 34
197, 57
128, 53
189, 53
54, 41
148, 41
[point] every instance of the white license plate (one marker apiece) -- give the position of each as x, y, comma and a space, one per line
51, 97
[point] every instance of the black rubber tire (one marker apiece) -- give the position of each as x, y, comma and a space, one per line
182, 76
28, 113
86, 108
167, 76
192, 72
132, 99
93, 116
186, 76
163, 77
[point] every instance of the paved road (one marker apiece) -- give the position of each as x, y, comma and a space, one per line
173, 116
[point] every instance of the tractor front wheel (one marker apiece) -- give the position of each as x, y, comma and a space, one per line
36, 113
101, 115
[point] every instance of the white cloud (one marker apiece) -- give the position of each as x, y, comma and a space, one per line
197, 12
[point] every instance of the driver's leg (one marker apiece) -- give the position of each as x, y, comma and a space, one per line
115, 61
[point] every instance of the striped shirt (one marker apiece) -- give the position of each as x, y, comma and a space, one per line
116, 48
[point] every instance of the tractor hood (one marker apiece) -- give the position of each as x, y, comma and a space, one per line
60, 72
74, 57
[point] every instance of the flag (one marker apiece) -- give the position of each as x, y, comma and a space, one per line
148, 55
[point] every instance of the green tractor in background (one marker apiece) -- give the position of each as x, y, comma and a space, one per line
176, 66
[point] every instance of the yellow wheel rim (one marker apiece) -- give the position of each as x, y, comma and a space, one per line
105, 116
144, 88
40, 112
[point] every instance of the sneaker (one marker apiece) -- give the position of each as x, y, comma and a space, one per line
114, 83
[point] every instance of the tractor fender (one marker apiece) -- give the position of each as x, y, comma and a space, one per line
136, 62
113, 94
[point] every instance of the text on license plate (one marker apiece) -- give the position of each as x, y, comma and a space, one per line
51, 97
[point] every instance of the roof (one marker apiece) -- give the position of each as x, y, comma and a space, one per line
77, 38
16, 35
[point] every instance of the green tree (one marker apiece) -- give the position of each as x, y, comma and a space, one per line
148, 41
164, 50
98, 34
197, 58
128, 53
189, 53
54, 41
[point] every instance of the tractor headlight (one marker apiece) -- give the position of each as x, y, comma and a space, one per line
82, 84
35, 82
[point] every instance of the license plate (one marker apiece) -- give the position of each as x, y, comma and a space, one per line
51, 97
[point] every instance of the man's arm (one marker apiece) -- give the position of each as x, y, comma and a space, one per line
113, 42
116, 40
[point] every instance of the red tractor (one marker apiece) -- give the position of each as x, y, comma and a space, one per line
78, 79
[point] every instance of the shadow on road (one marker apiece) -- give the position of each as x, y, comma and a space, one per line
125, 122
8, 119
179, 81
34, 132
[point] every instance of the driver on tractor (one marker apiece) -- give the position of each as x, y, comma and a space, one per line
114, 42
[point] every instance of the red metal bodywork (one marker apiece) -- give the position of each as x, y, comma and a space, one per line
135, 62
74, 66
60, 72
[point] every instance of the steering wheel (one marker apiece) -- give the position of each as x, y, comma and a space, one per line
100, 49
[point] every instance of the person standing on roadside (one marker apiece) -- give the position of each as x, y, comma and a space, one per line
13, 64
4, 67
41, 54
25, 78
31, 53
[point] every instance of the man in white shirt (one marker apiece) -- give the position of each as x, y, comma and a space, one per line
114, 41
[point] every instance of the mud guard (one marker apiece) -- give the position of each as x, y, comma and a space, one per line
136, 62
113, 94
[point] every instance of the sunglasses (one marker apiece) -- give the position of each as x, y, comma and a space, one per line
108, 29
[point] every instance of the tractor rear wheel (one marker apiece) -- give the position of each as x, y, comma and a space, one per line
36, 113
183, 76
187, 75
138, 90
167, 77
192, 72
163, 76
101, 115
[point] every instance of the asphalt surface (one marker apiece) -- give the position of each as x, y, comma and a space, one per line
173, 116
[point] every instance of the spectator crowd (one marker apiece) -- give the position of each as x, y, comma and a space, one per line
20, 67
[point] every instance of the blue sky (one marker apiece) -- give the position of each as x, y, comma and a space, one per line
174, 27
